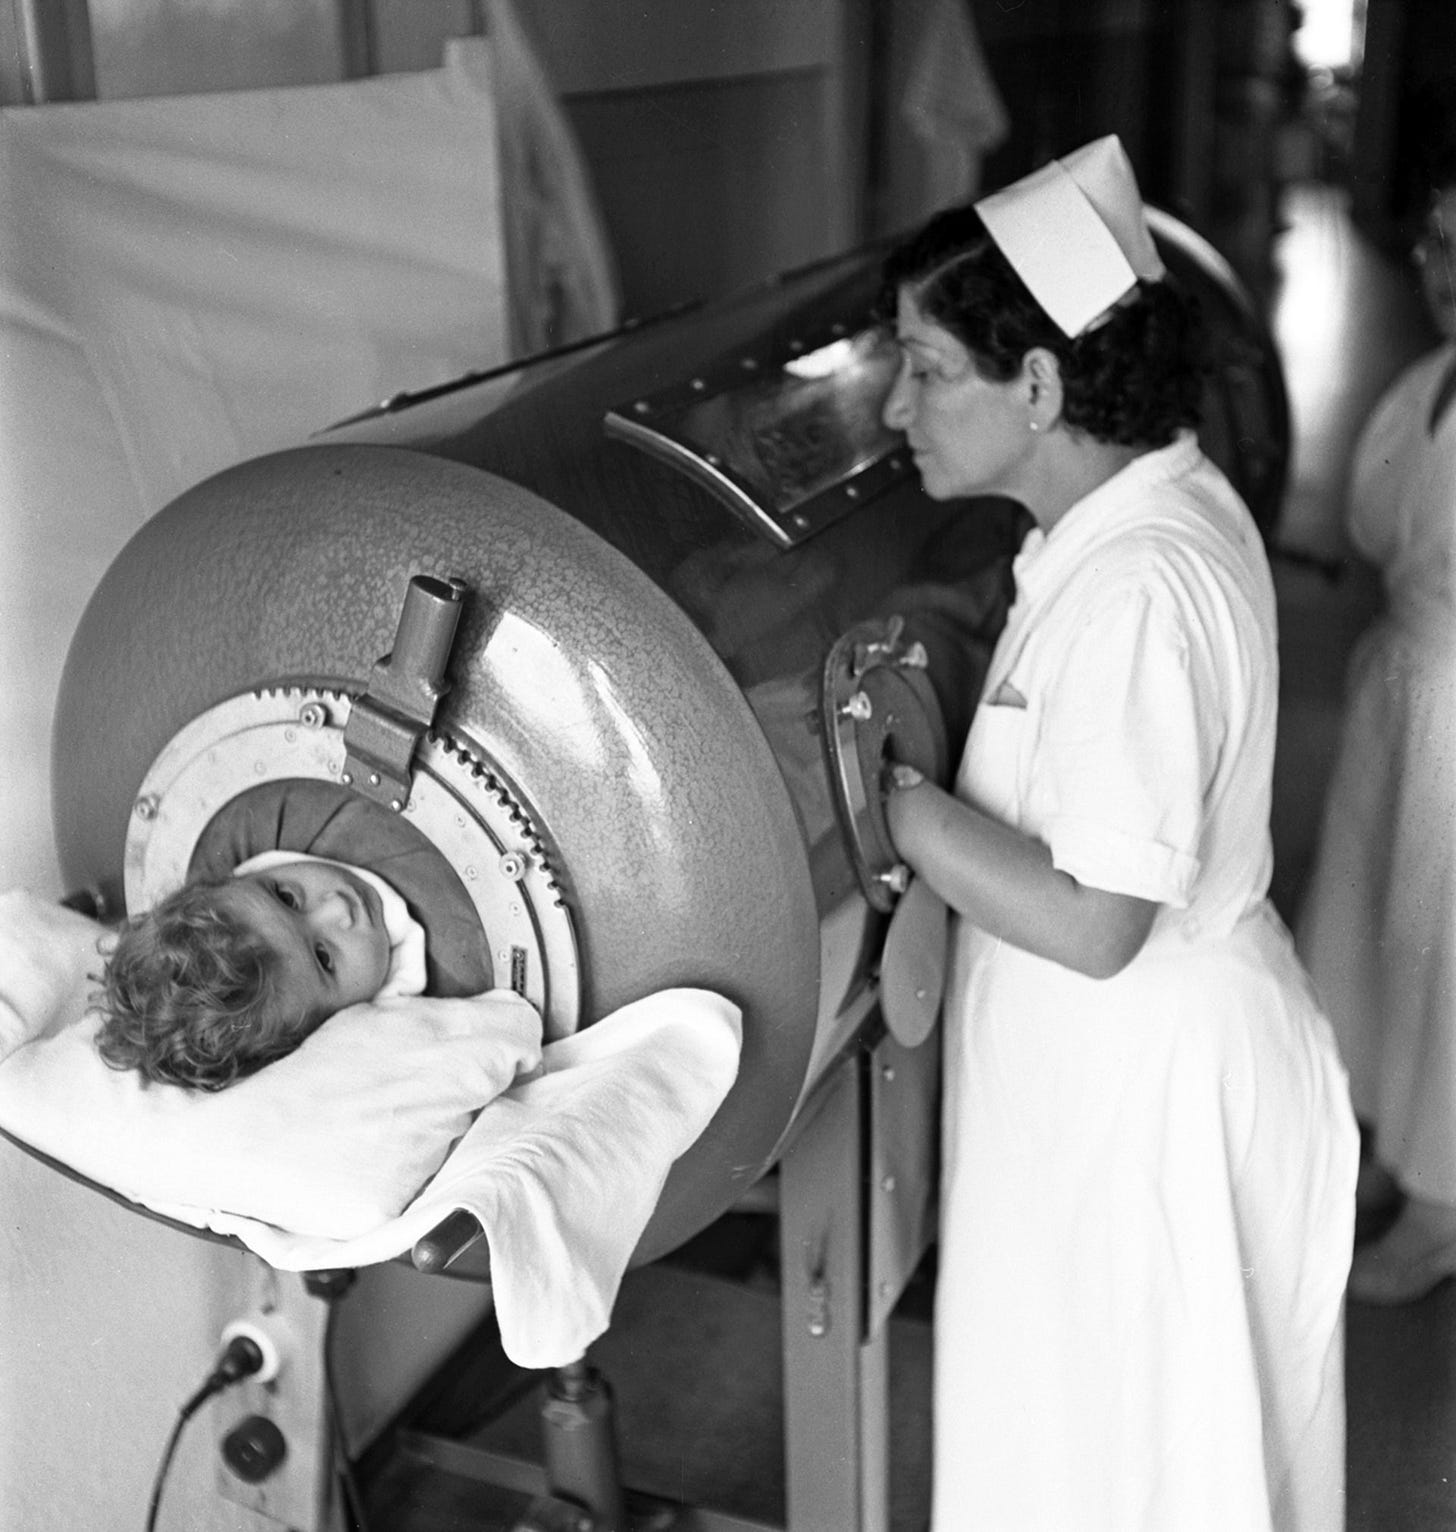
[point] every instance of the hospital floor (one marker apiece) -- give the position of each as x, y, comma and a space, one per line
694, 1351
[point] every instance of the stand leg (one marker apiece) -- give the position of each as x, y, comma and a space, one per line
580, 1447
836, 1382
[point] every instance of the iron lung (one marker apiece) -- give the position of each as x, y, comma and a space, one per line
597, 657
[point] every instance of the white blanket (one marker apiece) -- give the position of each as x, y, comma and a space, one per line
319, 1160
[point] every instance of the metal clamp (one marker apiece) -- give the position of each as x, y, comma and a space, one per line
387, 723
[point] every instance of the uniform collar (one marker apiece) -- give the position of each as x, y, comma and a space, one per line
1114, 505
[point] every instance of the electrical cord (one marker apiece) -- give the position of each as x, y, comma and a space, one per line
240, 1358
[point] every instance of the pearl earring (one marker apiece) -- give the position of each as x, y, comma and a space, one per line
1034, 426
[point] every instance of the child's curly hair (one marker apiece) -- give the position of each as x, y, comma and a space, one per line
191, 994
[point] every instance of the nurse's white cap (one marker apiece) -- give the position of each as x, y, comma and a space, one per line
1075, 233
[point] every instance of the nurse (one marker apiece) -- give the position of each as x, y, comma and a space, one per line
1149, 1153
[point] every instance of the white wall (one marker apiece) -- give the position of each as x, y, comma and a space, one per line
107, 1323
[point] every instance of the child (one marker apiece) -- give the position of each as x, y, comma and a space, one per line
227, 974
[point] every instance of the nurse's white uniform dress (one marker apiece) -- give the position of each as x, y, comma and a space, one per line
1147, 1205
1378, 928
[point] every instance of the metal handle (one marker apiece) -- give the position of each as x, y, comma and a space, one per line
446, 1242
387, 722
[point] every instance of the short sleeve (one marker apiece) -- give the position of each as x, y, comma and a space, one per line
1126, 744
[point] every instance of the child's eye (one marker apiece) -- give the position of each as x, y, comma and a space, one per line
285, 895
325, 958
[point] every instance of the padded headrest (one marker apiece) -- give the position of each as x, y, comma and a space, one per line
324, 820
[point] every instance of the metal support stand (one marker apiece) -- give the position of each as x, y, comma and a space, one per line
579, 1442
836, 1388
858, 1199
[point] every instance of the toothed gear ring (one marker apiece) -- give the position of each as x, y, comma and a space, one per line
476, 821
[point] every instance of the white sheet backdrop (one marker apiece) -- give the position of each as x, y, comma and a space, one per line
190, 281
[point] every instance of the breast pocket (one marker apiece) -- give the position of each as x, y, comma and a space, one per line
993, 765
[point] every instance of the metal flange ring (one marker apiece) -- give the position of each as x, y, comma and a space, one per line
456, 801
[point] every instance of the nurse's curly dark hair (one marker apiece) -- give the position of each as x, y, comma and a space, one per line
1135, 379
191, 995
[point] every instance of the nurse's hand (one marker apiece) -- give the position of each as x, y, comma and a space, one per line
898, 782
899, 776
1004, 881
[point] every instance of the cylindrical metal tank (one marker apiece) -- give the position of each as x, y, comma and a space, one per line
691, 596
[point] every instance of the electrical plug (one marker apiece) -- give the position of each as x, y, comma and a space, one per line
250, 1350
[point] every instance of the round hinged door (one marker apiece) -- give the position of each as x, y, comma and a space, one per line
879, 707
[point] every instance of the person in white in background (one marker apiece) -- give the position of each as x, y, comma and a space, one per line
1378, 923
1149, 1155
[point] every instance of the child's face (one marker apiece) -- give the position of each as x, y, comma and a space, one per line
326, 927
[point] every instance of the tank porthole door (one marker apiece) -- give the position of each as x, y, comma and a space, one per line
878, 707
